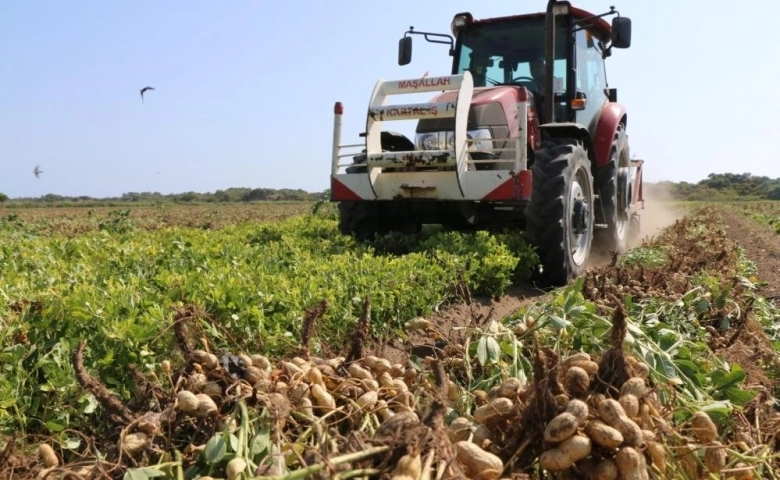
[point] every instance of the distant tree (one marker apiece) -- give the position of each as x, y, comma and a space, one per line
257, 194
3, 197
186, 197
51, 198
773, 191
221, 196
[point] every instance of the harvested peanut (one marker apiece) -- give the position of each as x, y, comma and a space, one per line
459, 429
235, 467
509, 387
715, 457
206, 406
634, 386
493, 411
260, 361
134, 442
187, 401
475, 459
703, 427
603, 434
631, 464
322, 398
561, 427
657, 453
579, 409
576, 447
356, 371
605, 470
555, 460
408, 468
613, 415
630, 404
253, 374
48, 456
576, 381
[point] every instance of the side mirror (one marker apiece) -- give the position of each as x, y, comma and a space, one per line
405, 51
621, 32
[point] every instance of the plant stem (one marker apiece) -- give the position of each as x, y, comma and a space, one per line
312, 469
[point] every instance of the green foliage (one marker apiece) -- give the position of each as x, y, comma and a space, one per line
115, 287
3, 197
488, 263
773, 191
649, 256
118, 221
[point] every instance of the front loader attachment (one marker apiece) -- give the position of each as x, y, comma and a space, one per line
448, 174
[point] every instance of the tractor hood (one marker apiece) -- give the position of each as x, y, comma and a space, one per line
482, 95
490, 106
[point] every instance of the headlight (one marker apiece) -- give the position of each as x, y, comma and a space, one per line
428, 141
459, 21
482, 140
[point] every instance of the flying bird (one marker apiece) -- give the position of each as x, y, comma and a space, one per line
143, 90
37, 171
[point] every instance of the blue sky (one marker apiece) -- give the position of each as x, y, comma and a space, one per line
245, 89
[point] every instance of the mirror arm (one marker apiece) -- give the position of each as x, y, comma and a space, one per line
432, 38
611, 11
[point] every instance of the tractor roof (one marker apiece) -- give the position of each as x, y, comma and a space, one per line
601, 28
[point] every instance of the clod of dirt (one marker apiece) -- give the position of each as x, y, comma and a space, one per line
613, 368
310, 318
362, 333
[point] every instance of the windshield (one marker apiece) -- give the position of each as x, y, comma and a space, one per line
510, 53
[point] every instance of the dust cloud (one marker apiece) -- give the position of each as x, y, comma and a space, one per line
661, 210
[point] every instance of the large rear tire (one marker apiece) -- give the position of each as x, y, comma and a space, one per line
613, 187
559, 218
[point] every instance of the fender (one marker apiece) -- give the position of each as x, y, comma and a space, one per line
570, 130
611, 116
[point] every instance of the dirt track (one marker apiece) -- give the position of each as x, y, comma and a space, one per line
762, 246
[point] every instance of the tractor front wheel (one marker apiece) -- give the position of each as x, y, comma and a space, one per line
361, 220
559, 218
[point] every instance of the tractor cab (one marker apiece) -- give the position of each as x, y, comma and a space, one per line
523, 50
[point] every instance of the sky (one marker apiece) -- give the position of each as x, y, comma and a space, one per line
244, 90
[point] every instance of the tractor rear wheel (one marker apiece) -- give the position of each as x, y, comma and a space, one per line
559, 218
613, 186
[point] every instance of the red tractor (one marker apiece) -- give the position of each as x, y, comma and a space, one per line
524, 132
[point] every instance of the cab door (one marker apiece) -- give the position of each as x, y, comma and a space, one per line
591, 84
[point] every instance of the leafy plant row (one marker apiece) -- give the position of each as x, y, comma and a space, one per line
119, 288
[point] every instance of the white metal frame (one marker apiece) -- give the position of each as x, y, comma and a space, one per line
466, 183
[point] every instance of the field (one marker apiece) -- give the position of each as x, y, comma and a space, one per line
767, 213
234, 341
69, 220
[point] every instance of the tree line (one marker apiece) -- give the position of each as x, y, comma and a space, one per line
721, 186
717, 186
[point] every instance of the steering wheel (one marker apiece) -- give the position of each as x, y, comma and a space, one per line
531, 80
